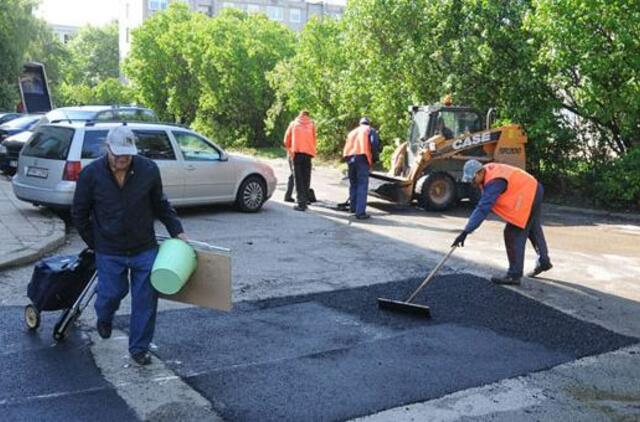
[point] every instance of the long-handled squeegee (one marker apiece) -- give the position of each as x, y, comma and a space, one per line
407, 306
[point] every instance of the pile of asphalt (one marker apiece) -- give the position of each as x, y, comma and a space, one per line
44, 380
335, 355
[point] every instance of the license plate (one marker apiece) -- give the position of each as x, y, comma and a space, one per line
38, 172
13, 163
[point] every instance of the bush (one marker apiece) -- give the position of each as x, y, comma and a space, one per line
618, 184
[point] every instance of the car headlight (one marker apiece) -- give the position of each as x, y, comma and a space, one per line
3, 149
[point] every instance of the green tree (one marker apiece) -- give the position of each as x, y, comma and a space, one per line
590, 56
160, 64
94, 55
16, 25
240, 50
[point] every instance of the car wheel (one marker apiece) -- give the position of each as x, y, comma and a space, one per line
438, 192
252, 194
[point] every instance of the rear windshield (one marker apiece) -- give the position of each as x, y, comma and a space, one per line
49, 142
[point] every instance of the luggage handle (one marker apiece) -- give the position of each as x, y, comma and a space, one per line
197, 244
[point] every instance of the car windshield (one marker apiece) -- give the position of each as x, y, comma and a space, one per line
21, 122
70, 115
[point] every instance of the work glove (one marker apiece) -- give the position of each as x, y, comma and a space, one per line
460, 239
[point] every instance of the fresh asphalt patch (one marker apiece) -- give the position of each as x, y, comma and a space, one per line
44, 380
336, 356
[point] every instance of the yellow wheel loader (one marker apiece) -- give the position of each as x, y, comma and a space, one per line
428, 166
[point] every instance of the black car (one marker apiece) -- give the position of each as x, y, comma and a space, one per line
9, 150
5, 117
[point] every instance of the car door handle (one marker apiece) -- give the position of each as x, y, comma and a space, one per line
190, 167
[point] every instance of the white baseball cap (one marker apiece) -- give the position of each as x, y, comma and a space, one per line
470, 169
122, 141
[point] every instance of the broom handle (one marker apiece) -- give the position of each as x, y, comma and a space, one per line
433, 272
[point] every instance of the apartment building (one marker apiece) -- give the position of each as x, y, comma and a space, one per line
64, 32
293, 13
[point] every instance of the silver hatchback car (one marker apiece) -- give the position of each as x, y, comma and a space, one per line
194, 170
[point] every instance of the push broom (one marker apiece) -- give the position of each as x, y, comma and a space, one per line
409, 307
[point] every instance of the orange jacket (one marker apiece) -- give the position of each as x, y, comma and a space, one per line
358, 143
301, 136
514, 204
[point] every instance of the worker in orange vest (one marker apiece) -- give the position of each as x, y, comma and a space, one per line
360, 152
515, 196
300, 143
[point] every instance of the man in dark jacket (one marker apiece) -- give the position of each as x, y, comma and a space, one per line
116, 200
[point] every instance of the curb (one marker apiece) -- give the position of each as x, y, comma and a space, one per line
635, 217
38, 250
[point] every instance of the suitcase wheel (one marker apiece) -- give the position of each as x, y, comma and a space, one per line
31, 317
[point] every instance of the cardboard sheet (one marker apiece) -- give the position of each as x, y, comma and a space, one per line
210, 285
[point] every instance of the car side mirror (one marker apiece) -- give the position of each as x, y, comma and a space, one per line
224, 157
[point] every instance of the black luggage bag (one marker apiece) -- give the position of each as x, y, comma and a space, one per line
58, 281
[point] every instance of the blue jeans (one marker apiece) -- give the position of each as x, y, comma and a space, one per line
114, 272
515, 238
358, 183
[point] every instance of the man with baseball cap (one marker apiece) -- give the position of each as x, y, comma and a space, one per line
116, 201
515, 196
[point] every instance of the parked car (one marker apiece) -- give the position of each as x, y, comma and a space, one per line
194, 170
9, 147
13, 144
5, 117
101, 113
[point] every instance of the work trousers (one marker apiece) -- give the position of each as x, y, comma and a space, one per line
302, 174
115, 273
515, 238
358, 183
290, 183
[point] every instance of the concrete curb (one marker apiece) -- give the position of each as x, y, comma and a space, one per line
635, 217
38, 250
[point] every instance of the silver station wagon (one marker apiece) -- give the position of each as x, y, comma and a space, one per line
194, 170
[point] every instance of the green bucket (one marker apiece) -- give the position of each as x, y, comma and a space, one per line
175, 263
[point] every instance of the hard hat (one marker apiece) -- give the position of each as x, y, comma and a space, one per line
364, 121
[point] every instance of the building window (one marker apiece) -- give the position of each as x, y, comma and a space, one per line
206, 9
253, 8
276, 13
155, 5
66, 38
127, 10
295, 15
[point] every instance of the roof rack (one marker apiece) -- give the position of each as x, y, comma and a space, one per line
89, 123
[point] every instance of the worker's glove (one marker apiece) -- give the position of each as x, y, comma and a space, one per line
460, 239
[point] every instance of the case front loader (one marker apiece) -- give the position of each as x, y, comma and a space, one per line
428, 166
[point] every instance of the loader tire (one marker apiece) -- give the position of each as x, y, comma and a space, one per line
438, 192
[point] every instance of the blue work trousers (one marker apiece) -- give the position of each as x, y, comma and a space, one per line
515, 238
114, 274
358, 183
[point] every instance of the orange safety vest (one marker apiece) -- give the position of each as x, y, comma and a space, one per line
358, 143
515, 203
301, 137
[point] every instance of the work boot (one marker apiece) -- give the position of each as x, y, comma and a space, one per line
104, 329
539, 269
289, 199
141, 358
362, 216
300, 208
506, 279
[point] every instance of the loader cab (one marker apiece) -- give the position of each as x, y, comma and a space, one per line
450, 121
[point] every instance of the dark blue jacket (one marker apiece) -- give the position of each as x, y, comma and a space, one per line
119, 221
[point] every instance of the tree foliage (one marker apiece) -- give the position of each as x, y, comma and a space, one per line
16, 26
94, 55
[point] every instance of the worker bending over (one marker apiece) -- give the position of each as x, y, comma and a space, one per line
515, 196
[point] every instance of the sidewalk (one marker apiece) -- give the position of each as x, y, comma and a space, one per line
26, 232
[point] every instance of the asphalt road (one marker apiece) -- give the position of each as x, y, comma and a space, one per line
306, 339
